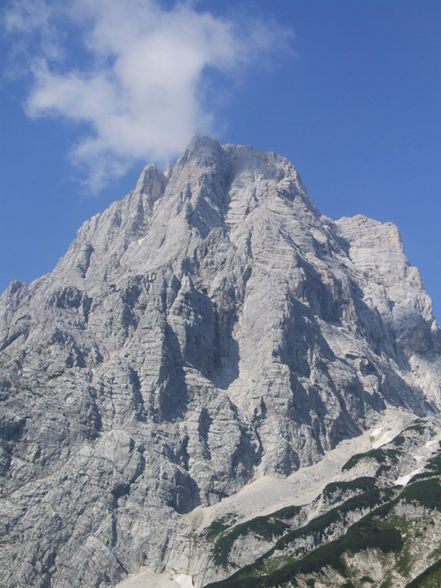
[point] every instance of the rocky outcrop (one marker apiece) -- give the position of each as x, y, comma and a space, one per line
209, 329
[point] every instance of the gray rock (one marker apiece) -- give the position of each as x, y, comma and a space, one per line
210, 328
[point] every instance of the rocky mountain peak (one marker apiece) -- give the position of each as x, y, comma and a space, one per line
203, 151
151, 182
209, 329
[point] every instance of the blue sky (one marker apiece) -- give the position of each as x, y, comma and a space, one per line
348, 90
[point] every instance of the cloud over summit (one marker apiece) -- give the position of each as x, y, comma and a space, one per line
134, 71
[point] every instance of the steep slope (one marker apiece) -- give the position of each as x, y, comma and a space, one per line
360, 531
209, 329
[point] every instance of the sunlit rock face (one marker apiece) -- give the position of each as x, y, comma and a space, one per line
210, 328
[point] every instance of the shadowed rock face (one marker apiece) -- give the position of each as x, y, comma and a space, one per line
209, 328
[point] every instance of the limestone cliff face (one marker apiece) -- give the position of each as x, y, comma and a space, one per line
210, 328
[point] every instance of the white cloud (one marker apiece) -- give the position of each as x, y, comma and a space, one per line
32, 18
141, 88
27, 15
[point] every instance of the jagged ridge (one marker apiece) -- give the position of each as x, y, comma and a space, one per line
210, 328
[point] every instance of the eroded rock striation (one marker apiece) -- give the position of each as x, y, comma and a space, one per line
209, 329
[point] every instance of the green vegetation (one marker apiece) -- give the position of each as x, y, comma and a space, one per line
218, 526
364, 534
365, 483
382, 469
434, 464
405, 559
269, 570
436, 553
264, 527
426, 492
382, 529
318, 526
381, 456
398, 440
287, 513
419, 426
367, 533
430, 578
433, 468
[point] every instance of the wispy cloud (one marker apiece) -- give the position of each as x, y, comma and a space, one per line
132, 70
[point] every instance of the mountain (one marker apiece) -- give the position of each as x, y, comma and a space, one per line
210, 332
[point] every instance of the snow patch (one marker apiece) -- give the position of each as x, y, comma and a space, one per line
404, 480
268, 494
